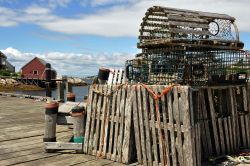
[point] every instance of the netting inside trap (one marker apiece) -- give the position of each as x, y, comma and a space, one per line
188, 66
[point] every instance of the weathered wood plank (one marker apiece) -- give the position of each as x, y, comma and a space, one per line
64, 159
229, 120
93, 112
97, 128
102, 120
111, 133
213, 118
221, 135
178, 110
113, 157
171, 123
160, 137
88, 121
227, 137
141, 122
153, 128
120, 76
111, 75
106, 122
121, 129
243, 131
247, 130
186, 95
128, 128
136, 124
146, 111
165, 117
206, 123
234, 132
115, 76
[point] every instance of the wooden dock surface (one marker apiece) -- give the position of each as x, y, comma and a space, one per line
21, 137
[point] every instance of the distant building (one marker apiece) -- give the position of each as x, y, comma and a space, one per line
4, 64
36, 69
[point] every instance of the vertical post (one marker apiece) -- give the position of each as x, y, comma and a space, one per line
51, 110
48, 79
78, 114
71, 97
60, 91
68, 85
103, 75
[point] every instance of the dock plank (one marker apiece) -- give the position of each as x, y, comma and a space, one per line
21, 137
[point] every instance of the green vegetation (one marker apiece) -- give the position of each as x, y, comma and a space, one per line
6, 73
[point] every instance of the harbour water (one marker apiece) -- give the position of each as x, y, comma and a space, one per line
79, 91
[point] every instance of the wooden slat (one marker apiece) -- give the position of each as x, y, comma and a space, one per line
189, 134
236, 118
123, 77
221, 135
229, 120
113, 157
88, 121
247, 130
178, 110
120, 76
115, 77
185, 24
186, 148
121, 129
141, 122
147, 126
98, 135
243, 131
171, 123
127, 128
203, 118
153, 128
165, 114
96, 125
186, 19
158, 123
105, 123
189, 31
233, 119
111, 75
213, 118
136, 125
227, 137
112, 124
198, 143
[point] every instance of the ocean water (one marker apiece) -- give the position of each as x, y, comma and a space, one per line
79, 91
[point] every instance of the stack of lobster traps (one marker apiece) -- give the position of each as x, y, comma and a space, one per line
188, 48
181, 101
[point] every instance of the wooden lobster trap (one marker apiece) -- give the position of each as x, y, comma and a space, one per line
189, 48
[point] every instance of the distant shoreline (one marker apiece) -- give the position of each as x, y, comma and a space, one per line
22, 87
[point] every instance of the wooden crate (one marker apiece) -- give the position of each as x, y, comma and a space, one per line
224, 117
183, 127
170, 136
108, 126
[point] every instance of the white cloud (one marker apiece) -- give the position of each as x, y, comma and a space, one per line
119, 20
6, 19
58, 3
70, 63
37, 10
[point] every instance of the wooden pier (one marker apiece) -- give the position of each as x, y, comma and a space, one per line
21, 137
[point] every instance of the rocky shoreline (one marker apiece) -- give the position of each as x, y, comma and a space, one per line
9, 84
77, 81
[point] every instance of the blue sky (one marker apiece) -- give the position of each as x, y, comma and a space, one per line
79, 36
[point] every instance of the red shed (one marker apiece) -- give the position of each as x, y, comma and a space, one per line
35, 69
